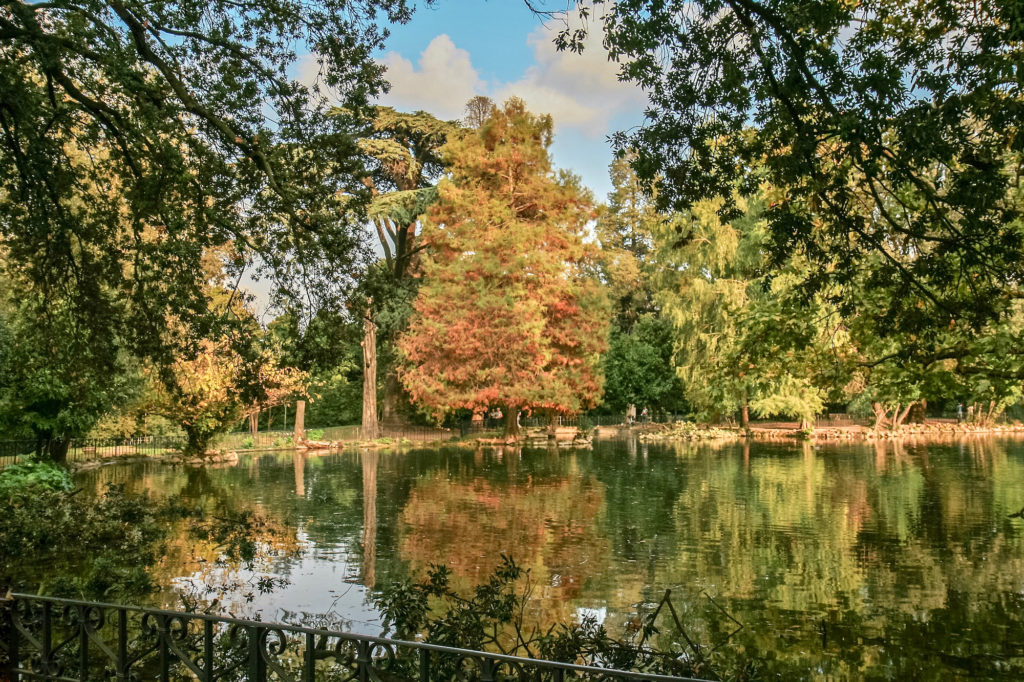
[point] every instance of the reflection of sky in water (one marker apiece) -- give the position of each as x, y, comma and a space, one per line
868, 543
318, 588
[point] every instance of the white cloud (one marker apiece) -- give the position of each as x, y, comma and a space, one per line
579, 91
441, 83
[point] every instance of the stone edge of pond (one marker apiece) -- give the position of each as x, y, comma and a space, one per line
918, 432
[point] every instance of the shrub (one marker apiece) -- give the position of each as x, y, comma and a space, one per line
315, 434
31, 476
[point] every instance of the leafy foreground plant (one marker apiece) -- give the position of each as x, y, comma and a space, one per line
492, 619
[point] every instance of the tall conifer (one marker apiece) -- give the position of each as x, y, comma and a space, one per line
509, 312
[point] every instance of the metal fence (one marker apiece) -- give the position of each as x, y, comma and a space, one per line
82, 449
59, 639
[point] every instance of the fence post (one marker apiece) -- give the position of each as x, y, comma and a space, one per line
364, 661
8, 638
257, 666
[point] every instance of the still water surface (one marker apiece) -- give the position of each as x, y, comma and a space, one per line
858, 561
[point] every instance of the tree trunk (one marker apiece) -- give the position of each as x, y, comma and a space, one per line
369, 429
879, 416
57, 449
898, 421
745, 415
917, 415
254, 423
300, 421
511, 423
196, 441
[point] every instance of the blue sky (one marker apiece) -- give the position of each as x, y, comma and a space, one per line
459, 48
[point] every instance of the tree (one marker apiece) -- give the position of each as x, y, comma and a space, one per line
743, 339
478, 111
403, 153
211, 390
57, 377
855, 105
181, 123
200, 393
327, 348
639, 369
625, 228
508, 311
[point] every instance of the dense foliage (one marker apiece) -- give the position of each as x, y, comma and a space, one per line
888, 124
508, 312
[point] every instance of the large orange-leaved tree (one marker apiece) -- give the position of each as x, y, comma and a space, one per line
509, 311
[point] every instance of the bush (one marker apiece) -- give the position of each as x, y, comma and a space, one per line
315, 434
32, 476
248, 443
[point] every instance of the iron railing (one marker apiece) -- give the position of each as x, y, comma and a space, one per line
46, 638
83, 449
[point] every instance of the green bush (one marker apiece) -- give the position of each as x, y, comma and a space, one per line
315, 434
33, 475
248, 443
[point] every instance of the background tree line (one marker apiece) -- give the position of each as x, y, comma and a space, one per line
793, 226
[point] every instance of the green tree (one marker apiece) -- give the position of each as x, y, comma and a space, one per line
625, 230
509, 311
57, 377
639, 368
327, 348
134, 136
855, 106
743, 339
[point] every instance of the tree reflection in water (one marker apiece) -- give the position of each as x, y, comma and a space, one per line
892, 560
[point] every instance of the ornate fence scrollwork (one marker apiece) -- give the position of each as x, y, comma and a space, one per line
43, 638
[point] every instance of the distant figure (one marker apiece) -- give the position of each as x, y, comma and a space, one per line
959, 412
970, 413
644, 417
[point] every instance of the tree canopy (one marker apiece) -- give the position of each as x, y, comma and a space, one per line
890, 125
508, 311
135, 135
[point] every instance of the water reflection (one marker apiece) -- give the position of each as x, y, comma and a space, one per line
885, 559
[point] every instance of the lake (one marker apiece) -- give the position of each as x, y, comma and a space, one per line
879, 561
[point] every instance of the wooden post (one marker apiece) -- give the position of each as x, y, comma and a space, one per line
300, 421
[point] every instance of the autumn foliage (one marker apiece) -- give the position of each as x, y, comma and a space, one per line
508, 311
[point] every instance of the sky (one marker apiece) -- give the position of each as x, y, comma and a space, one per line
456, 49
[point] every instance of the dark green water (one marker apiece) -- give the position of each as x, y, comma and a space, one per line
844, 562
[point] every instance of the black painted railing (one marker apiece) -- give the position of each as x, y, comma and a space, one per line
43, 638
